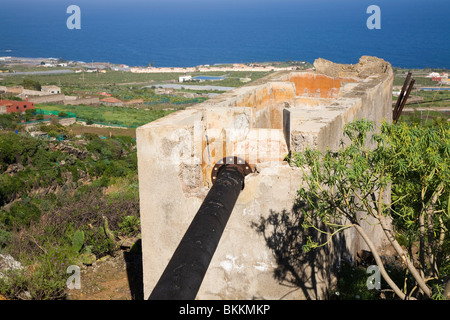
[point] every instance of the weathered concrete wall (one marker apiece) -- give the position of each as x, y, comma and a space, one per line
61, 98
78, 101
259, 255
51, 98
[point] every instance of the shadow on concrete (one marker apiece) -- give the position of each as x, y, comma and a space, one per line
133, 259
306, 271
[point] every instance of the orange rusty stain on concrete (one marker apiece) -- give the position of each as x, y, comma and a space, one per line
282, 92
267, 103
317, 85
263, 98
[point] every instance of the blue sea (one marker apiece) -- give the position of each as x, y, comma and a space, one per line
413, 34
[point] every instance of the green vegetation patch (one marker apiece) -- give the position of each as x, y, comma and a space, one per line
109, 115
63, 204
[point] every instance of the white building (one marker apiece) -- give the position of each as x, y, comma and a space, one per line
184, 78
51, 89
433, 75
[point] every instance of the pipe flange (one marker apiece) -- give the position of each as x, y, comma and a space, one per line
241, 164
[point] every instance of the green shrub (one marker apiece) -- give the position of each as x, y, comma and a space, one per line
5, 236
129, 225
99, 242
31, 84
9, 187
21, 214
43, 278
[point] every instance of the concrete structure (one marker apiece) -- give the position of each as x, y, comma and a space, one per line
63, 121
260, 122
12, 106
15, 89
78, 101
30, 93
111, 101
184, 78
51, 89
49, 98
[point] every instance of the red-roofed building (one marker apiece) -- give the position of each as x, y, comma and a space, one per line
106, 94
111, 101
11, 106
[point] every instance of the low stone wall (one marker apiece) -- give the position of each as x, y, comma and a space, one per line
61, 98
260, 122
77, 101
51, 98
62, 121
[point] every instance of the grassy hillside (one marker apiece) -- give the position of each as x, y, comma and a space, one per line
61, 204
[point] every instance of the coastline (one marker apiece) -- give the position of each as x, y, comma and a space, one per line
54, 62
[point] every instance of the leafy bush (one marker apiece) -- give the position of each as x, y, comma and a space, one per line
99, 242
8, 122
44, 278
129, 225
10, 186
31, 84
344, 188
5, 236
22, 214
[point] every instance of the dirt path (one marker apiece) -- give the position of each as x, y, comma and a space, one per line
117, 277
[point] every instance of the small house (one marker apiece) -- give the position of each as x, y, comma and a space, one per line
51, 89
111, 101
184, 78
13, 106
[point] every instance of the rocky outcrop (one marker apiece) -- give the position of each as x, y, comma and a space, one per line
80, 154
367, 66
14, 168
7, 263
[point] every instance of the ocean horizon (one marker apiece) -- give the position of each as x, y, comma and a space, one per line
177, 33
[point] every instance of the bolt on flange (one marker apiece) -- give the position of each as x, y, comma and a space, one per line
234, 161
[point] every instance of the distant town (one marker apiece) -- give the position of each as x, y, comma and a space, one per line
34, 93
50, 83
80, 66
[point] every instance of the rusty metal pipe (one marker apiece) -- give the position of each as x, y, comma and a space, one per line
400, 97
405, 98
186, 269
